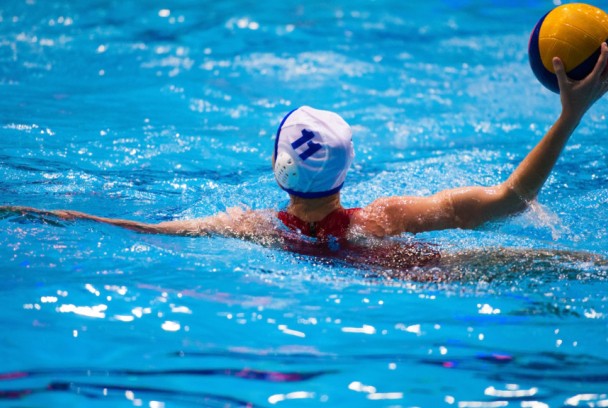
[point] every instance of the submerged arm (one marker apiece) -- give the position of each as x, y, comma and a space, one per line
468, 207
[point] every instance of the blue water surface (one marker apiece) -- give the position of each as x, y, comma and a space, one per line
163, 110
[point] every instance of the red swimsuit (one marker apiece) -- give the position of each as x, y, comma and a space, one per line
335, 224
331, 242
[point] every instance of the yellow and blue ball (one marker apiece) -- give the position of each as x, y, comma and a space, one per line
574, 33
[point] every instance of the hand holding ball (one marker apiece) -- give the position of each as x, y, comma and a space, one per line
574, 33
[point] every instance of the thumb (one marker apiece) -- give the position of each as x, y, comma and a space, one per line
601, 64
560, 71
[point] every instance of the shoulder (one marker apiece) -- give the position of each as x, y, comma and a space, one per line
395, 215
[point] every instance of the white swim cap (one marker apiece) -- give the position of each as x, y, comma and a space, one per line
313, 151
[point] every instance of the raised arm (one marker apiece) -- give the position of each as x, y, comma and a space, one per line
468, 207
234, 222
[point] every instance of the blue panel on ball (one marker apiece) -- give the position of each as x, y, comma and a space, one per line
546, 77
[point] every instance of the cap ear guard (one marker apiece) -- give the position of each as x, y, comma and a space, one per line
286, 171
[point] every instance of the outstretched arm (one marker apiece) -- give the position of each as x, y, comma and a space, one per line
234, 222
469, 207
576, 98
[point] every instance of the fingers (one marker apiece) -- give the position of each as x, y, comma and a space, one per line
597, 79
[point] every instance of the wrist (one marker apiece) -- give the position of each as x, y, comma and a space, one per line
570, 118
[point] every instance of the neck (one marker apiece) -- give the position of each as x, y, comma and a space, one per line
313, 209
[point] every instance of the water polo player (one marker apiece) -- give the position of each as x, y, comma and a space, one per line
312, 154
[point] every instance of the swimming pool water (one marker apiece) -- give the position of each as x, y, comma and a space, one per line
167, 110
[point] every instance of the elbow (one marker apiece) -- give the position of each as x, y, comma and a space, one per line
516, 201
512, 200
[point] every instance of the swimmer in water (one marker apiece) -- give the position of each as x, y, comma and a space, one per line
312, 154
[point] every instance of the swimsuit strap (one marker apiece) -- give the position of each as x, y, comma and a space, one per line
335, 224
